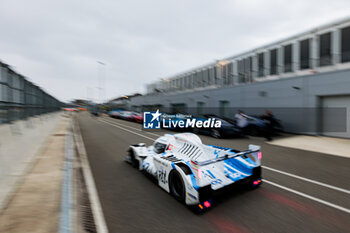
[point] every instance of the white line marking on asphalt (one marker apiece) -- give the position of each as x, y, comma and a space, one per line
308, 196
132, 128
269, 182
127, 130
308, 180
100, 221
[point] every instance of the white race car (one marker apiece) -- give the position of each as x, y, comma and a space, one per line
192, 171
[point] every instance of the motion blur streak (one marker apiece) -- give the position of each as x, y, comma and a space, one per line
225, 226
309, 197
332, 219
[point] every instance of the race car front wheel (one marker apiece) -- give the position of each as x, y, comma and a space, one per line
134, 161
177, 186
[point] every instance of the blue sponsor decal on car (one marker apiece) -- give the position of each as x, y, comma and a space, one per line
190, 195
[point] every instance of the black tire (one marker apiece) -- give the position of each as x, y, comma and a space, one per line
253, 131
134, 161
177, 186
215, 133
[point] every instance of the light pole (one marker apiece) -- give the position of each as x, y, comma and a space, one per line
101, 79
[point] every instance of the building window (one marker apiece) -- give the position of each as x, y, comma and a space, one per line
273, 62
196, 80
191, 81
345, 44
261, 64
182, 83
200, 108
224, 108
196, 75
304, 54
223, 73
325, 50
287, 58
216, 75
248, 69
230, 73
241, 74
206, 77
212, 76
201, 79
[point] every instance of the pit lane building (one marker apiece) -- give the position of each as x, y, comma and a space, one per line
293, 77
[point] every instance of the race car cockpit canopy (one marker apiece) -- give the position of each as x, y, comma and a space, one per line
159, 147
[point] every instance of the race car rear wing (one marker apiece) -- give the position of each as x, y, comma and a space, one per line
254, 150
197, 169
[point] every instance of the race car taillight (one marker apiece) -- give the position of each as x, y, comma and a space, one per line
256, 182
259, 155
204, 205
207, 204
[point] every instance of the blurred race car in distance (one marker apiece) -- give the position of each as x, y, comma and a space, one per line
70, 109
227, 129
137, 117
125, 115
192, 171
257, 125
95, 113
114, 113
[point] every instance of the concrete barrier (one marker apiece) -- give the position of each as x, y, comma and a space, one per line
20, 142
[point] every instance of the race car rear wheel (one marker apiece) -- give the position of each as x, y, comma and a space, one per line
177, 186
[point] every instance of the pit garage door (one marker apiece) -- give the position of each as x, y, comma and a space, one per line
336, 116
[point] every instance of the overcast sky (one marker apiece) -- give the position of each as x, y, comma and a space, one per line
57, 44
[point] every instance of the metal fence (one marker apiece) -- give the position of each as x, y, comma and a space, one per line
20, 98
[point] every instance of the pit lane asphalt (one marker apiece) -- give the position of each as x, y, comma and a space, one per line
131, 202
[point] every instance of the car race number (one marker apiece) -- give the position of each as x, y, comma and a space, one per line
162, 176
